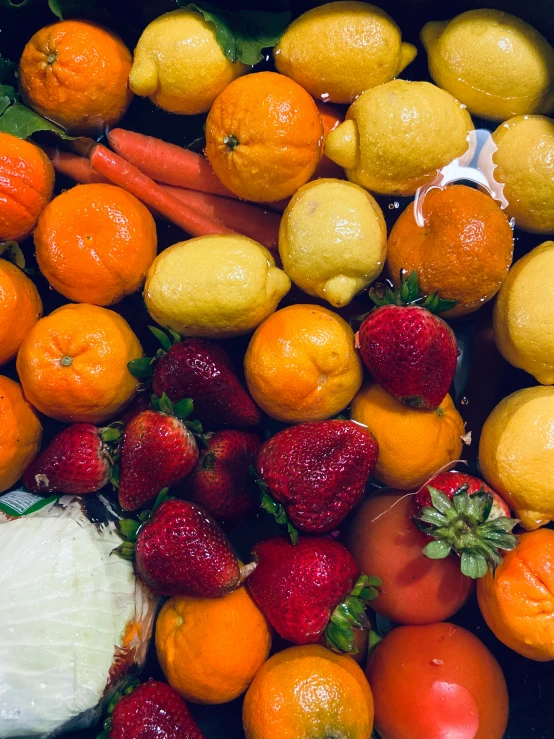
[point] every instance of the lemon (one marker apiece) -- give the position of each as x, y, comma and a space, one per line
496, 64
215, 286
332, 240
524, 314
516, 453
340, 49
397, 135
521, 160
179, 65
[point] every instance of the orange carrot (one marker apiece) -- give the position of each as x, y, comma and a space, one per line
244, 218
74, 166
167, 163
124, 174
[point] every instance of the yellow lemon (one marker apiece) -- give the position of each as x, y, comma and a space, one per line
333, 240
179, 65
397, 135
516, 453
340, 49
521, 160
496, 64
216, 286
524, 314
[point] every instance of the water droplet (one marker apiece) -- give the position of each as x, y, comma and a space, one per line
394, 205
512, 222
464, 401
43, 685
463, 106
324, 95
11, 629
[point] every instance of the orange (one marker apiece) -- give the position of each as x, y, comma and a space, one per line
413, 444
264, 136
306, 692
518, 601
20, 433
20, 309
95, 243
331, 118
301, 364
73, 364
76, 74
26, 183
211, 648
463, 251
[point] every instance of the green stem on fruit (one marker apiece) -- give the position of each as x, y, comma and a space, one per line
274, 508
350, 615
407, 293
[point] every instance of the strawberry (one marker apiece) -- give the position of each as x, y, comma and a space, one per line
157, 451
310, 588
221, 481
78, 460
154, 710
198, 369
316, 472
409, 351
462, 514
182, 551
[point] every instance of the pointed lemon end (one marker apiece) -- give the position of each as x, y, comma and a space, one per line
143, 78
342, 145
431, 32
532, 520
278, 282
340, 290
408, 53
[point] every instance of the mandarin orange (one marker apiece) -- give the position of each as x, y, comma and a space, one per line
20, 433
20, 309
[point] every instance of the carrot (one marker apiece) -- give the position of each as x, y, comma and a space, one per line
124, 174
167, 163
73, 166
244, 218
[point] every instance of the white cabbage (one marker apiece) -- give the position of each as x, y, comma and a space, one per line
66, 604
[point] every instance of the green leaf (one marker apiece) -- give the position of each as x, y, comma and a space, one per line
166, 406
373, 640
162, 337
128, 528
6, 68
433, 517
21, 121
243, 34
114, 476
7, 96
162, 496
196, 427
11, 251
440, 501
55, 7
141, 368
473, 565
155, 402
183, 408
125, 551
438, 549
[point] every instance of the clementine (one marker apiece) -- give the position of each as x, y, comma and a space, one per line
95, 243
264, 136
307, 692
26, 183
20, 433
75, 73
73, 363
517, 602
211, 648
413, 444
301, 364
464, 249
20, 309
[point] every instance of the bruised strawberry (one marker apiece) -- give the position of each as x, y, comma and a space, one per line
198, 369
78, 461
317, 471
464, 516
154, 710
182, 551
221, 481
409, 351
157, 451
310, 588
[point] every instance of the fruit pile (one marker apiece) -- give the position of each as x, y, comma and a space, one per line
232, 404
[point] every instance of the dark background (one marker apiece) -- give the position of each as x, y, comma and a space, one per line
483, 378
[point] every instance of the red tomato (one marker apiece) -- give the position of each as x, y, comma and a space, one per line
385, 542
437, 682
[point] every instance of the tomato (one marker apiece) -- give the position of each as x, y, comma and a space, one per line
385, 542
437, 682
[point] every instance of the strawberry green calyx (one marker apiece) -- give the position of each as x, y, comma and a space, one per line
118, 695
143, 368
129, 528
182, 410
463, 526
274, 508
350, 615
407, 293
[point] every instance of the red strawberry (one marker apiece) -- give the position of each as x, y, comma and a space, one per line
409, 351
182, 551
198, 369
221, 481
154, 710
309, 588
463, 515
157, 451
77, 461
317, 471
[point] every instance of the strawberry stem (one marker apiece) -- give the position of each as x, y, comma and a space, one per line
350, 615
272, 507
407, 293
463, 526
